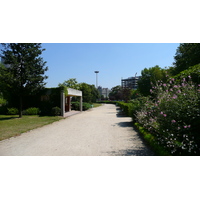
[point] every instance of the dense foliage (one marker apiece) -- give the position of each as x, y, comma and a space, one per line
120, 93
171, 114
76, 106
149, 76
187, 55
24, 71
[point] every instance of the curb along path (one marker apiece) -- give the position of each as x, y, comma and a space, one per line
101, 131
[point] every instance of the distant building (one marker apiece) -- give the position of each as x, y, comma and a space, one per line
131, 82
104, 92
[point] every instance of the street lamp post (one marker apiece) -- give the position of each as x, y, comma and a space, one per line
96, 78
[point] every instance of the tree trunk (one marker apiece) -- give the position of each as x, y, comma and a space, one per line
20, 106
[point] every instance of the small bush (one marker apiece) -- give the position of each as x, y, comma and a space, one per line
32, 111
86, 106
12, 111
76, 106
56, 111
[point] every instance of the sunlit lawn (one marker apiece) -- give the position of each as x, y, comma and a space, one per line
96, 104
11, 125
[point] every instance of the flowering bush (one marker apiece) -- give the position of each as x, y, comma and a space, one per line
173, 116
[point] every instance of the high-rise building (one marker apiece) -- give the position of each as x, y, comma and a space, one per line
104, 92
131, 82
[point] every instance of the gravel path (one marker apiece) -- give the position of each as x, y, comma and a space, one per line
102, 131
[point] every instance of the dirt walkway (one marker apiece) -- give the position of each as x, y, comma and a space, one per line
102, 131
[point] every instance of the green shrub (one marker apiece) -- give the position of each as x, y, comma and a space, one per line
76, 106
193, 72
12, 111
86, 106
56, 111
173, 116
32, 111
2, 101
126, 107
150, 140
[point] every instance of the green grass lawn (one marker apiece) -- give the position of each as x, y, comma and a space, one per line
96, 104
11, 125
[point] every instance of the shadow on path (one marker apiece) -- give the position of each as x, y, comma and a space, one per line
134, 138
132, 152
125, 124
120, 113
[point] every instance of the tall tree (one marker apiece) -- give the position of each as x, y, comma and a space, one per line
149, 76
187, 55
24, 71
115, 93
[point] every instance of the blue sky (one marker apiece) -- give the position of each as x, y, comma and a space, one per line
113, 61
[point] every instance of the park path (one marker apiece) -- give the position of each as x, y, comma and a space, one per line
101, 131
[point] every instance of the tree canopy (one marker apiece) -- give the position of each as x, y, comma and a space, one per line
149, 76
187, 55
71, 83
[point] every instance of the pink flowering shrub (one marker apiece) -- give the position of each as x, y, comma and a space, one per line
173, 116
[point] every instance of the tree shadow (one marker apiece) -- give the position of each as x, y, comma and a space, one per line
7, 118
125, 124
132, 152
120, 113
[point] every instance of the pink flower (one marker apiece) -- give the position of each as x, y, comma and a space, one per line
174, 97
164, 115
161, 113
188, 126
173, 121
185, 126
